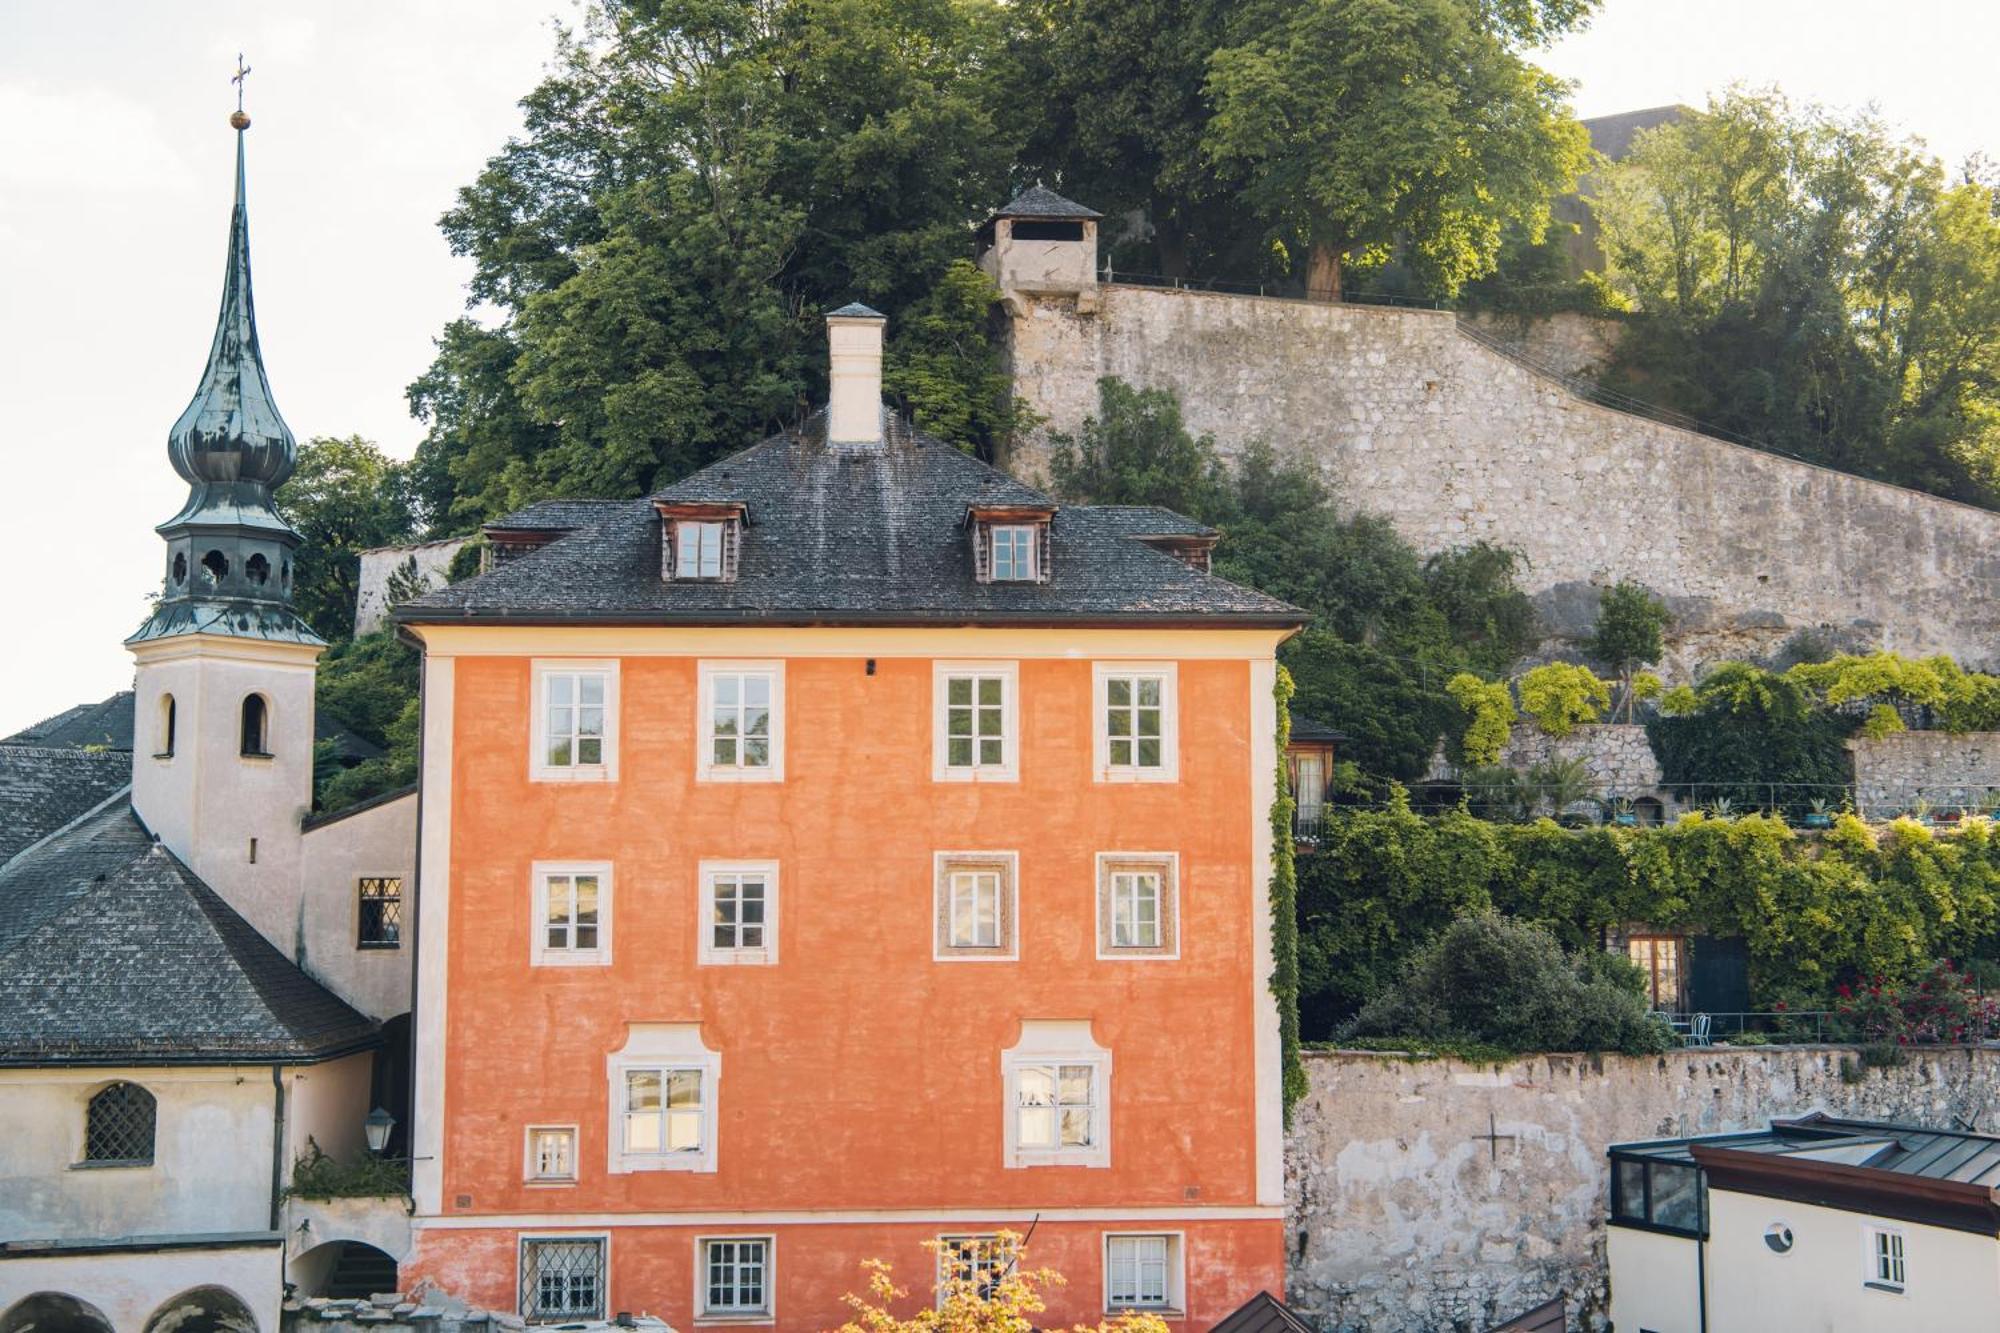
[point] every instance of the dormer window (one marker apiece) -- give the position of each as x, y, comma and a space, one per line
1013, 552
1010, 544
700, 542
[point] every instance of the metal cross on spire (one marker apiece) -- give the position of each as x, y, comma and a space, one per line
240, 120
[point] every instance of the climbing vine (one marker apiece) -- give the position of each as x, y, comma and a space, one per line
1284, 910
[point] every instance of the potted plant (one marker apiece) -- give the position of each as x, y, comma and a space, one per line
1820, 815
1921, 812
1624, 814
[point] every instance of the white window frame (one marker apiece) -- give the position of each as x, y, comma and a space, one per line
1056, 1043
1871, 1239
530, 1166
1004, 1254
705, 767
707, 952
1032, 535
1175, 1301
525, 1238
700, 530
664, 1047
769, 1313
1104, 894
540, 953
539, 768
1009, 768
943, 865
1169, 768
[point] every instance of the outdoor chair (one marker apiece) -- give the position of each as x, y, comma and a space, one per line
1697, 1034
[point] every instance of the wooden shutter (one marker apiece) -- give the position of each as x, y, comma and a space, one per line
730, 530
1042, 551
982, 553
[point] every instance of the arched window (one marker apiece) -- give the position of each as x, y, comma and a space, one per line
256, 726
215, 566
258, 570
118, 1126
166, 750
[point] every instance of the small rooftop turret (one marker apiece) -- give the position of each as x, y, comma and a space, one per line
1043, 244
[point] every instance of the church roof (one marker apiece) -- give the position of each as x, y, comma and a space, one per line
42, 789
855, 537
114, 952
108, 725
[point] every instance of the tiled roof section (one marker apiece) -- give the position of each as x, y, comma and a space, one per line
1305, 728
856, 310
556, 515
840, 536
1150, 521
108, 724
1263, 1313
113, 952
42, 789
1963, 1156
1040, 202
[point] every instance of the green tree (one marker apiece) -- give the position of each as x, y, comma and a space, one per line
1359, 125
345, 496
368, 686
1630, 633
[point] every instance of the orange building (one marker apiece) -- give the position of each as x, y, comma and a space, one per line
844, 849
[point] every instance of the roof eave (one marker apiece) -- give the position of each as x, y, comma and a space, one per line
1290, 618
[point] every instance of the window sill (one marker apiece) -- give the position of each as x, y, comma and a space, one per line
551, 1183
592, 773
560, 960
975, 775
378, 946
737, 958
260, 756
164, 756
1157, 954
739, 775
1157, 1311
1088, 1159
632, 1166
1117, 776
735, 1320
117, 1165
1888, 1287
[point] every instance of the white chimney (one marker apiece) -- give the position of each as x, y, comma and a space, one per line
854, 400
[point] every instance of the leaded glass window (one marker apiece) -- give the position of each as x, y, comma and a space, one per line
381, 924
562, 1279
118, 1126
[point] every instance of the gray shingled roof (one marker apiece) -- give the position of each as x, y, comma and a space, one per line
42, 789
845, 536
555, 515
1040, 202
108, 724
113, 952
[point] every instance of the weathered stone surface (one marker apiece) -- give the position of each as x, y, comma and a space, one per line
1892, 774
1441, 1195
1566, 342
1455, 443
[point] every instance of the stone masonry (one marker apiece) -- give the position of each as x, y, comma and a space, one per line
1455, 443
1440, 1195
1893, 774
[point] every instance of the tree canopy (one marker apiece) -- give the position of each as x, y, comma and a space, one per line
345, 496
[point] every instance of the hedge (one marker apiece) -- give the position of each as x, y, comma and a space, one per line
1813, 912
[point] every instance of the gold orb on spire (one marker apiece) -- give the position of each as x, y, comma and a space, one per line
238, 120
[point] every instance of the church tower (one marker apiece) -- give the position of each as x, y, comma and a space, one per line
222, 752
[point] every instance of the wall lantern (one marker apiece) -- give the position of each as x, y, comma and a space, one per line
378, 1124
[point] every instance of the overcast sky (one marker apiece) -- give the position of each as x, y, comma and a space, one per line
114, 199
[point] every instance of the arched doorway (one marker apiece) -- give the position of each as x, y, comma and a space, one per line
203, 1310
53, 1312
344, 1270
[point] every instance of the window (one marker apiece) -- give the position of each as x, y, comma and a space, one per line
572, 922
974, 737
254, 737
575, 732
1142, 1272
739, 912
980, 1261
1057, 1086
742, 722
1885, 1258
551, 1157
1659, 957
664, 1090
1013, 552
974, 906
698, 549
118, 1127
1658, 1195
381, 924
1138, 914
1137, 737
562, 1278
166, 744
733, 1277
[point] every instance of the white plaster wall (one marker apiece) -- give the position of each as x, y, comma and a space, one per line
128, 1288
1954, 1276
208, 801
371, 594
1455, 443
1655, 1281
1042, 266
211, 1167
381, 840
329, 1104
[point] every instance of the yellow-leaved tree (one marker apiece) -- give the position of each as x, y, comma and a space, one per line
984, 1292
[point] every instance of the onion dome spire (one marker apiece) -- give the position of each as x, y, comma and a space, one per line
229, 552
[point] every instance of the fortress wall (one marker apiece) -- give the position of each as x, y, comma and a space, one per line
1455, 443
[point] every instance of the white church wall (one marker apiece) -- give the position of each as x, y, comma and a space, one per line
379, 840
128, 1288
328, 1105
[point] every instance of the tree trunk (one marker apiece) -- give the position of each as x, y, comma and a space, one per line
1323, 273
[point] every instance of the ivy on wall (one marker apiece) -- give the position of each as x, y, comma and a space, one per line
1284, 910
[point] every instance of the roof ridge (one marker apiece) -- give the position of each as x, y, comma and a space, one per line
123, 793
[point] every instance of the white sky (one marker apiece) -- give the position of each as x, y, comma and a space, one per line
114, 198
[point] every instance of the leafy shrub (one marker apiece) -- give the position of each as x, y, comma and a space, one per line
1751, 736
317, 1176
1506, 983
1560, 695
1490, 709
1939, 1006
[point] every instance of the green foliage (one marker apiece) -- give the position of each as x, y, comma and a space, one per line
945, 371
345, 496
1561, 695
1508, 983
1810, 281
1630, 632
1356, 125
1752, 737
1489, 708
1812, 911
1389, 628
369, 686
466, 560
1285, 909
1943, 692
317, 1176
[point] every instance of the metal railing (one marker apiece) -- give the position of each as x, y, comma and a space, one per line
1797, 1025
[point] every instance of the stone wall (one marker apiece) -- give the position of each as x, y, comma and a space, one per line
371, 593
1454, 443
1441, 1195
1893, 773
1566, 342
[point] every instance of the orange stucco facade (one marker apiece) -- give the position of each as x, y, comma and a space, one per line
860, 1107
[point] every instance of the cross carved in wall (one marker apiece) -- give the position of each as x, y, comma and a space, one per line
1494, 1138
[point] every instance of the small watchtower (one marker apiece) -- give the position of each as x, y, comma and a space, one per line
1042, 244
